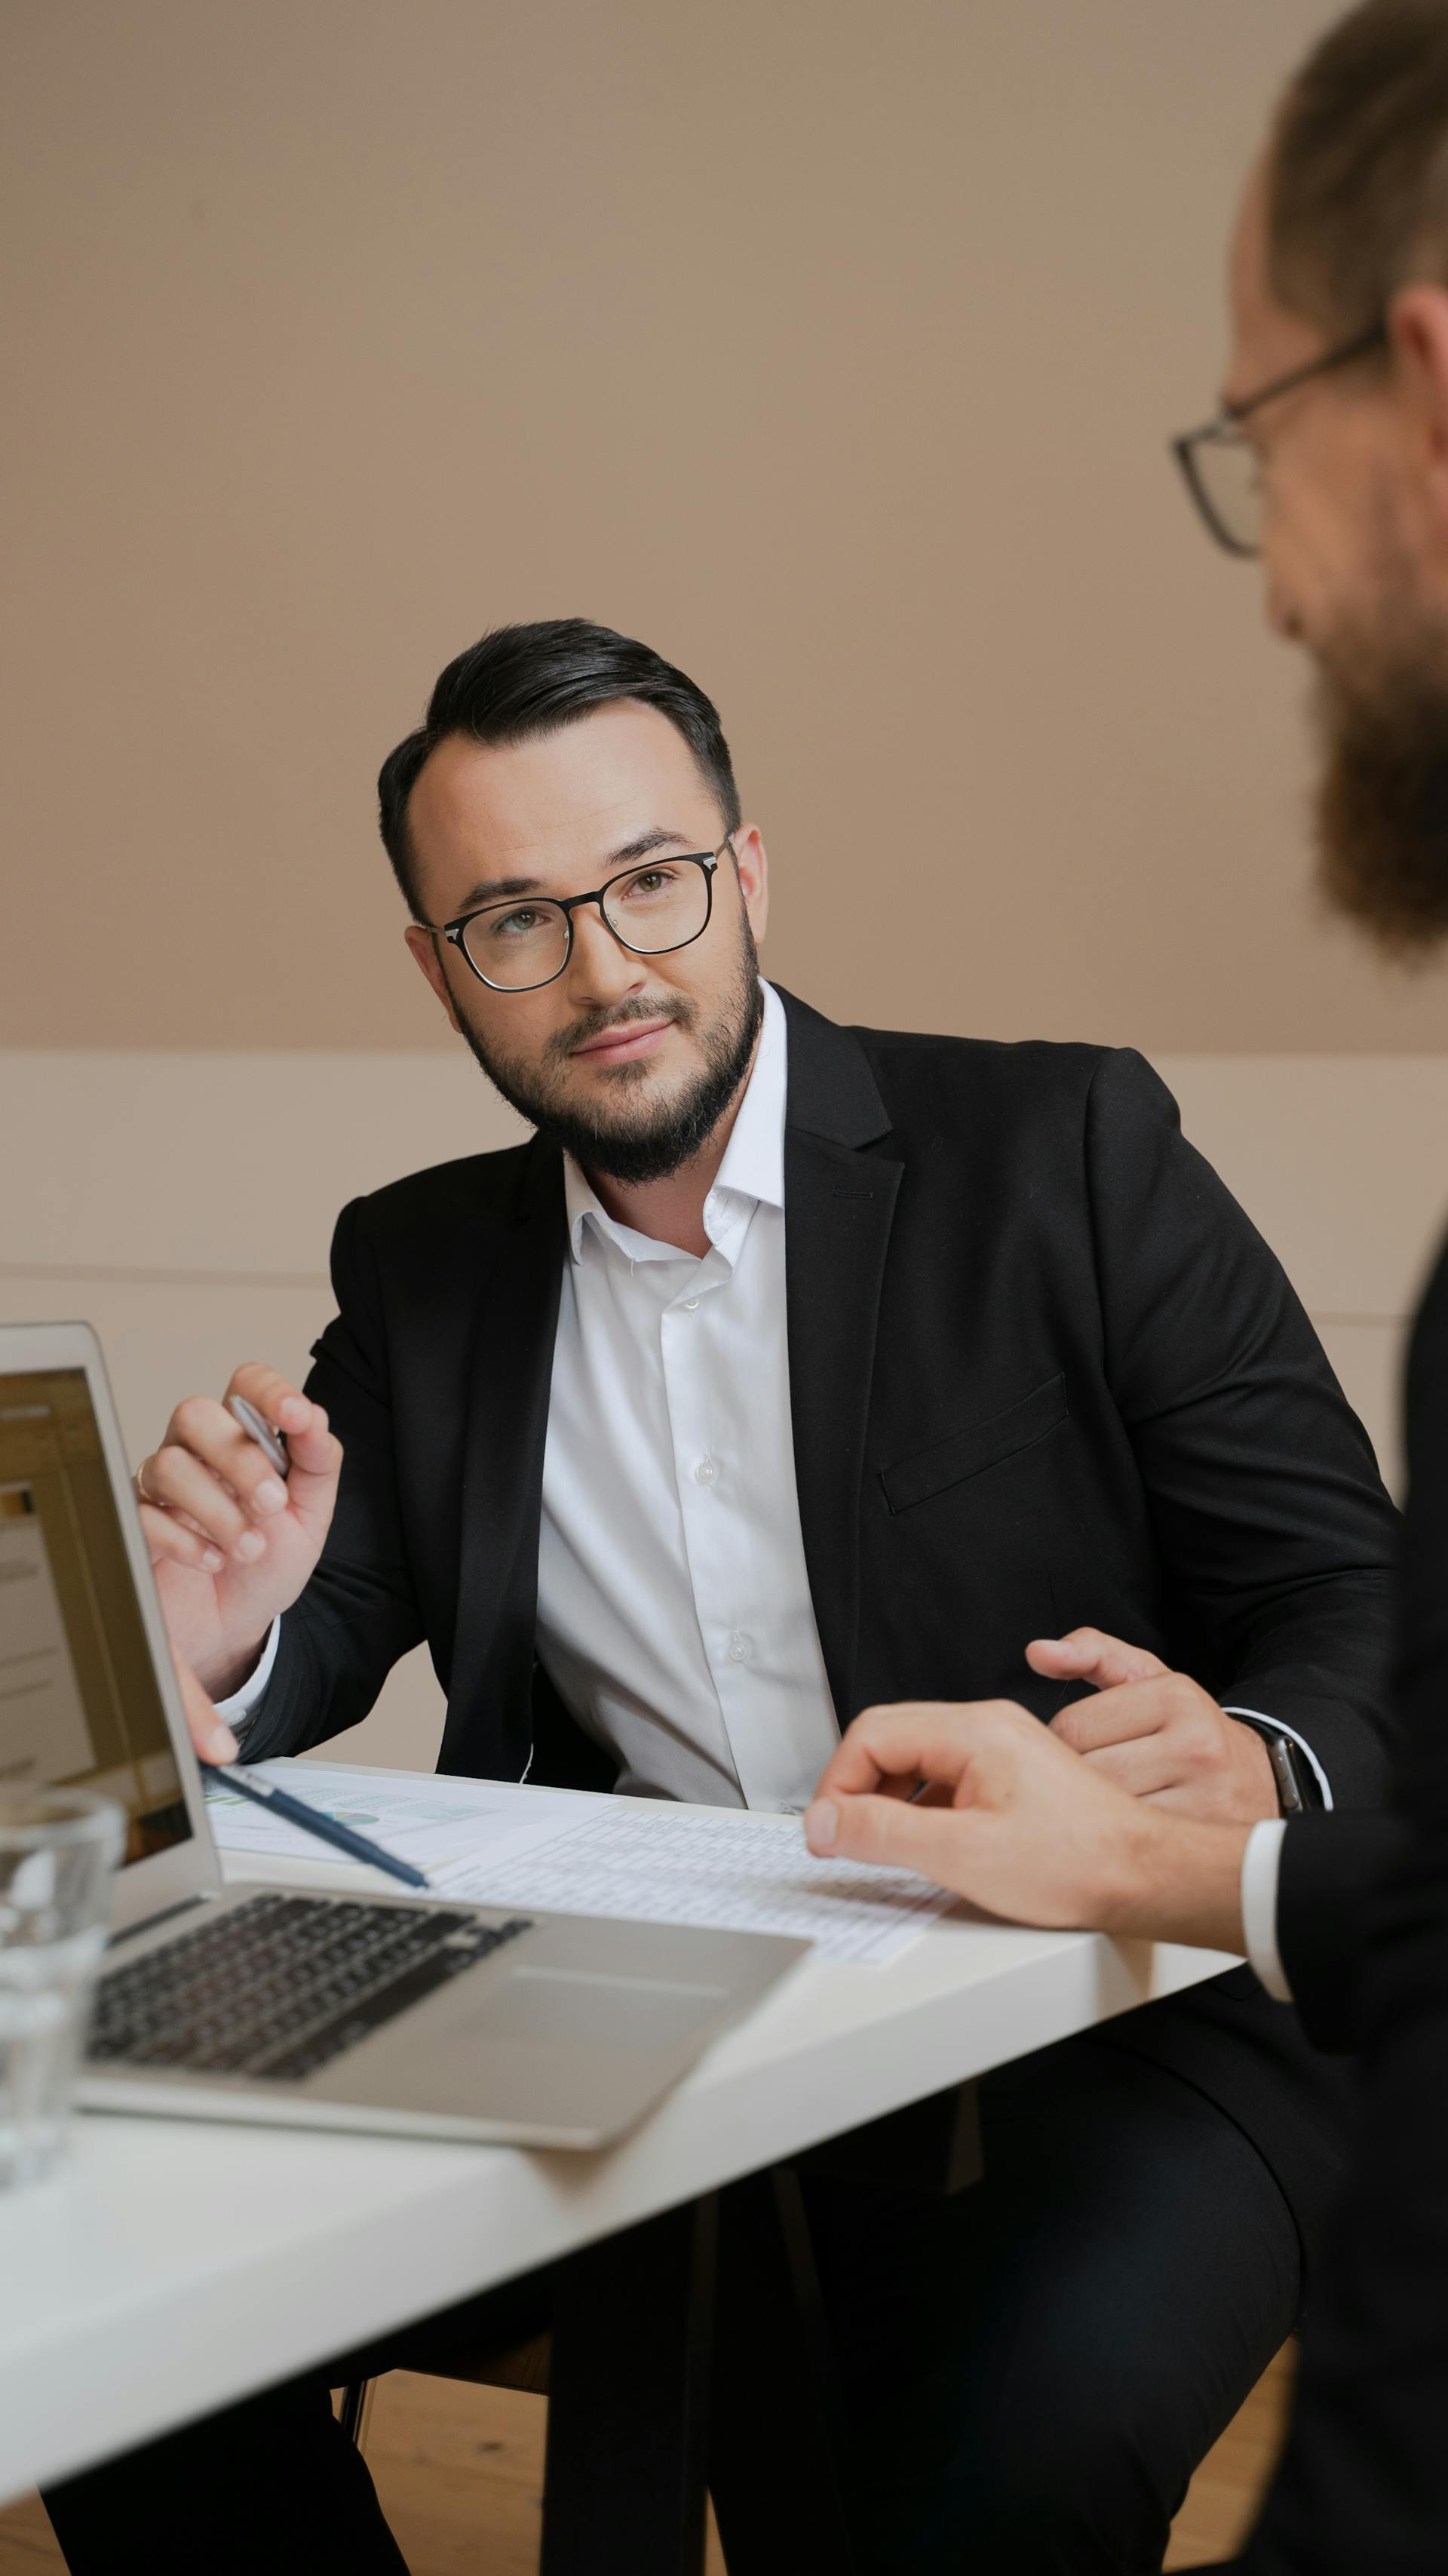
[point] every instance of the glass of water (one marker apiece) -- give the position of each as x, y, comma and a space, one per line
58, 1852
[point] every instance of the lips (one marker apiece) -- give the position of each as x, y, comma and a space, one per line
625, 1045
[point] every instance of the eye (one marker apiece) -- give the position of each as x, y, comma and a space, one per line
515, 925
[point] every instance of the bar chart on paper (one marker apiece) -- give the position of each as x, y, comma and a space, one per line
427, 1820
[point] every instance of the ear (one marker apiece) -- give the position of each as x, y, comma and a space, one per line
427, 950
1418, 337
752, 868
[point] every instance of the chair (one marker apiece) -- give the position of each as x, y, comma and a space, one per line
724, 2290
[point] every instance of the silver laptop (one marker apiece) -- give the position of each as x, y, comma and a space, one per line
226, 2001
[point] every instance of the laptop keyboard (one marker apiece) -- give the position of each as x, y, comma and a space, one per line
282, 1983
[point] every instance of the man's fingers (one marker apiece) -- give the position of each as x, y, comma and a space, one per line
1089, 1655
203, 1429
245, 1488
1143, 1767
1114, 1716
210, 1734
169, 1538
310, 1446
916, 1740
176, 1479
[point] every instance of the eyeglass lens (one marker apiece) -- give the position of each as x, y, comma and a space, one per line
1226, 473
652, 909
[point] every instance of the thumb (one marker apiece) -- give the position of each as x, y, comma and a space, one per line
1089, 1655
891, 1832
210, 1733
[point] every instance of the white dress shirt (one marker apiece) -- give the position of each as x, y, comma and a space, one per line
1261, 1866
674, 1611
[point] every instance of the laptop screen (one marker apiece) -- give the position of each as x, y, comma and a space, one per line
79, 1705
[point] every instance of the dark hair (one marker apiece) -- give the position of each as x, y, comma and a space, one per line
1357, 188
523, 680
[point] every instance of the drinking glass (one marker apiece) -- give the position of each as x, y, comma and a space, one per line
58, 1852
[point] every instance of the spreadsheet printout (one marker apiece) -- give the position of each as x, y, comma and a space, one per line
743, 1873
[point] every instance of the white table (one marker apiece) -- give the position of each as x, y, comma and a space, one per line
176, 2265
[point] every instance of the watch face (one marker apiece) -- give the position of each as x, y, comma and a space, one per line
1292, 1791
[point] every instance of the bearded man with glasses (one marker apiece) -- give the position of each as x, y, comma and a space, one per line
786, 1368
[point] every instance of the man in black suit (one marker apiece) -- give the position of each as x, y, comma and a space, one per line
1339, 477
671, 1486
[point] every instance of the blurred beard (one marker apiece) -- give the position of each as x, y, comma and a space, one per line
1382, 797
648, 1143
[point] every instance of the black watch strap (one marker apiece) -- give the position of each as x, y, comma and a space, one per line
1299, 1790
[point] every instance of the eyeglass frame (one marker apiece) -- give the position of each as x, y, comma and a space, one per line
453, 931
1225, 427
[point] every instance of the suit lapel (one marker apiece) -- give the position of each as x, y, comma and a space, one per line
839, 1207
509, 1377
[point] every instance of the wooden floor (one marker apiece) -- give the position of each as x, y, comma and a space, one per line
459, 2471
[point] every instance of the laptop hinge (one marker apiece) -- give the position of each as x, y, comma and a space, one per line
166, 1915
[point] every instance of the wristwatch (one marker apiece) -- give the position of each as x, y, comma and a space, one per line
1297, 1788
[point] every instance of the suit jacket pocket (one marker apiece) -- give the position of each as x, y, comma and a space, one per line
981, 1445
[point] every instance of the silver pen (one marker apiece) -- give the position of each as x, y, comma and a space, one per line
272, 1444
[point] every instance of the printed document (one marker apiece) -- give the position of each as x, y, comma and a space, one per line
496, 1844
739, 1872
423, 1817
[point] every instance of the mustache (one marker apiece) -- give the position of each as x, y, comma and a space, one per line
593, 1024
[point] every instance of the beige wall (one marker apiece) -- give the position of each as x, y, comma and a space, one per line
829, 344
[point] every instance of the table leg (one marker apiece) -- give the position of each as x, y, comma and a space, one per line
628, 2390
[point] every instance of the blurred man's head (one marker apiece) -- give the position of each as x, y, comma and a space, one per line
559, 760
1342, 256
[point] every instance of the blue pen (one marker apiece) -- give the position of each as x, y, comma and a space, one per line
312, 1821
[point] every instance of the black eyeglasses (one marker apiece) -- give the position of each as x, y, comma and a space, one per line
1221, 466
516, 947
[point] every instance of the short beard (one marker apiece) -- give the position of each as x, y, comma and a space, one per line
1382, 799
650, 1145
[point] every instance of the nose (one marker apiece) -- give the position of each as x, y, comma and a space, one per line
601, 971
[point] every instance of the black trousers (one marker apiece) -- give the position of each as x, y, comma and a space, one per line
1031, 2370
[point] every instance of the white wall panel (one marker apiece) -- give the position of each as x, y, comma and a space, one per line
220, 1162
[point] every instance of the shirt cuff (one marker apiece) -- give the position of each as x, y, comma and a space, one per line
1261, 1863
1275, 1726
239, 1707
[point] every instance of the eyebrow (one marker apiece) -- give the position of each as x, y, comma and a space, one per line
503, 889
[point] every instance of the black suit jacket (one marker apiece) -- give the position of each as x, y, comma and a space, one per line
1361, 2490
1043, 1372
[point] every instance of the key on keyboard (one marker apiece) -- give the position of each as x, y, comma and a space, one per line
282, 1984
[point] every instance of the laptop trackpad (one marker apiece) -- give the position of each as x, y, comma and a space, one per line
574, 2010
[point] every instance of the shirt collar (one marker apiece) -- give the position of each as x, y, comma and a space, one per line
753, 1166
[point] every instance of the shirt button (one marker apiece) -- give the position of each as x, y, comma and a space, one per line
740, 1647
706, 1471
691, 1305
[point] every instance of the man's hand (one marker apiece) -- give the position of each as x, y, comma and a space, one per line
1023, 1826
1157, 1733
231, 1544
